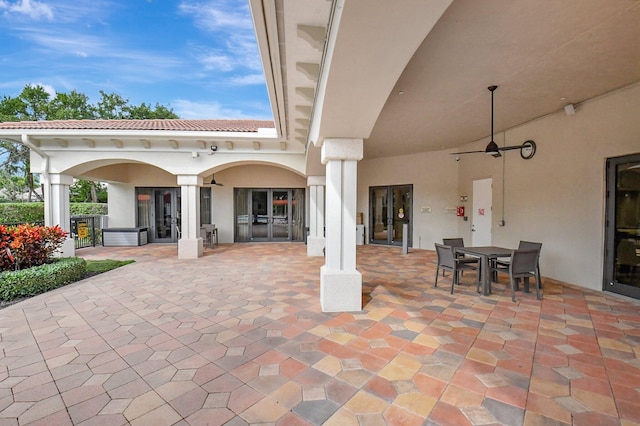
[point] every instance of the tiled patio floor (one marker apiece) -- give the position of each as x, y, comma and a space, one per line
237, 337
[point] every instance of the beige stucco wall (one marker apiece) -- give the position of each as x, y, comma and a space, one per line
122, 206
557, 198
434, 177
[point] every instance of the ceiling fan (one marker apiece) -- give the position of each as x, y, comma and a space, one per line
213, 181
527, 149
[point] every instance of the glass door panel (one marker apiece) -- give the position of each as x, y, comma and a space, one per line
622, 258
259, 215
280, 218
297, 215
379, 215
401, 212
164, 216
390, 208
242, 215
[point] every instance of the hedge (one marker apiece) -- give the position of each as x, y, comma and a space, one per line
40, 279
21, 212
34, 212
88, 208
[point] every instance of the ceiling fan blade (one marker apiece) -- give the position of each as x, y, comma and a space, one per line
465, 152
509, 148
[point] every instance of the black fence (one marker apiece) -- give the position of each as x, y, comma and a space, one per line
87, 230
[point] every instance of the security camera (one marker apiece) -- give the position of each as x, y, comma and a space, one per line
214, 148
457, 158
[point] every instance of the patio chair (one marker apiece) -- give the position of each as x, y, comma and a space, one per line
459, 242
448, 261
523, 264
523, 245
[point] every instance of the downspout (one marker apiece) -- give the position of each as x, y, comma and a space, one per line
45, 173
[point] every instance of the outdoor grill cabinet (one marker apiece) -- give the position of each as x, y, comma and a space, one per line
124, 237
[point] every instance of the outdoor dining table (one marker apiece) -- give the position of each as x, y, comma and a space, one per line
486, 254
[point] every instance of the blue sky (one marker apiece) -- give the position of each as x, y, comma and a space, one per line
198, 57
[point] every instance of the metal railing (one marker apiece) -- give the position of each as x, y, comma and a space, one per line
87, 230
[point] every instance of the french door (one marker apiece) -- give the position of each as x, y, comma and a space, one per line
269, 214
622, 234
158, 210
390, 209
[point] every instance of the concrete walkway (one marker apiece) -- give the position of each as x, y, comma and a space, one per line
237, 337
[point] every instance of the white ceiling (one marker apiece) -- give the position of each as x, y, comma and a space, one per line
543, 55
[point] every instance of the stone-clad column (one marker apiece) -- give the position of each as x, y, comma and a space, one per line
315, 240
190, 245
340, 282
56, 208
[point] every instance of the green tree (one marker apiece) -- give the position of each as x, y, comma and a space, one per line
12, 186
34, 103
31, 105
86, 191
72, 105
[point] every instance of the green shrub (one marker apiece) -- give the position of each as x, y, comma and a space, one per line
21, 212
40, 279
88, 208
34, 212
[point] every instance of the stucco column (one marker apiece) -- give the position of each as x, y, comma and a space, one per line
56, 208
315, 240
340, 282
190, 244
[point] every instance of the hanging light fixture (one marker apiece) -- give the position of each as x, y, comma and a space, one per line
492, 147
213, 181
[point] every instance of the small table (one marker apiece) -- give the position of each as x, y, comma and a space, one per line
211, 236
485, 253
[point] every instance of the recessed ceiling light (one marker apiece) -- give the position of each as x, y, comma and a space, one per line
401, 92
563, 98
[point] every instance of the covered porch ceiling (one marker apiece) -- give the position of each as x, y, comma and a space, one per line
412, 76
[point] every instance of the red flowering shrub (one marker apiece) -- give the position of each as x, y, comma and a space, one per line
28, 245
6, 260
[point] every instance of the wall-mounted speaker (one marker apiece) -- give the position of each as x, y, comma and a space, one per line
569, 110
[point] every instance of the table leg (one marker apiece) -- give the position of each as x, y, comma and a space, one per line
485, 276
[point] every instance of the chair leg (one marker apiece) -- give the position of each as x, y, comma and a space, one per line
538, 285
454, 279
437, 273
513, 288
538, 272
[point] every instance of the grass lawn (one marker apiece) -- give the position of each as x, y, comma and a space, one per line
95, 267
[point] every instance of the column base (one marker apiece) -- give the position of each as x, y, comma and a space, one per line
190, 249
315, 246
340, 291
68, 248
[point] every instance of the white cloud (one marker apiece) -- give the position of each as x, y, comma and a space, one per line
47, 88
204, 110
32, 9
218, 15
216, 60
248, 80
